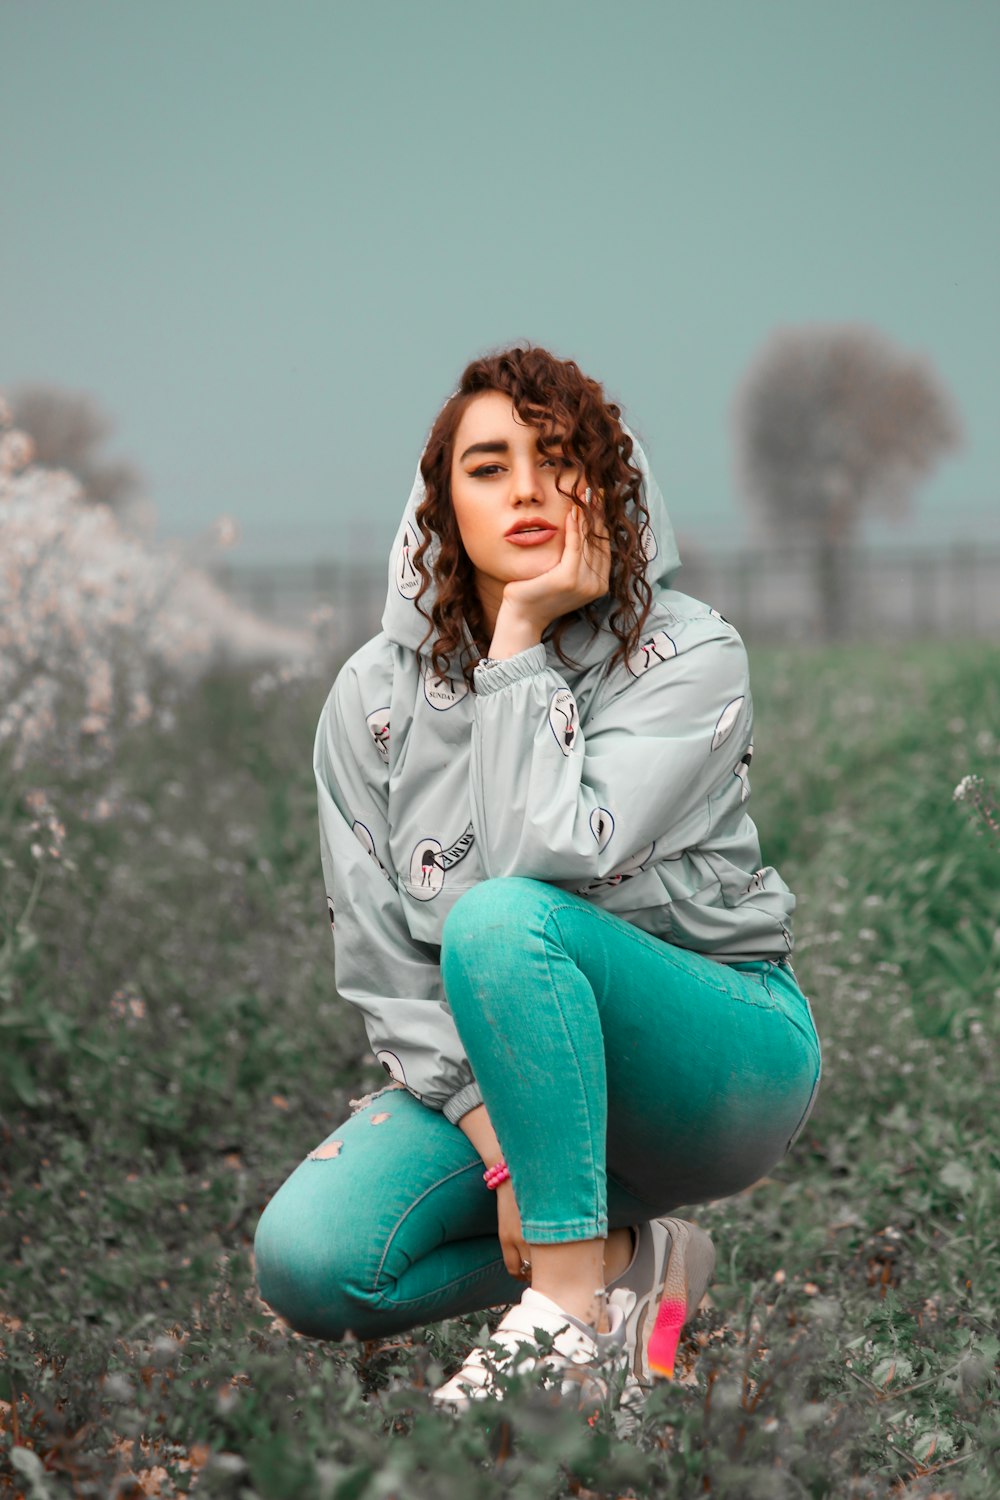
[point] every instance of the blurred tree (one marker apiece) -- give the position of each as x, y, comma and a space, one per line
68, 428
830, 422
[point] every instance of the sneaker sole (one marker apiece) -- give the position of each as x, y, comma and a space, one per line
687, 1272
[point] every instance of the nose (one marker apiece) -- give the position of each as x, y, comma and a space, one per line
526, 486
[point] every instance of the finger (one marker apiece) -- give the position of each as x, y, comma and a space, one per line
569, 563
602, 545
599, 573
597, 549
592, 551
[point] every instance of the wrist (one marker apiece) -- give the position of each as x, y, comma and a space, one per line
495, 1177
477, 1128
513, 633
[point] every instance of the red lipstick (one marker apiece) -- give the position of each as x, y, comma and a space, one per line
531, 533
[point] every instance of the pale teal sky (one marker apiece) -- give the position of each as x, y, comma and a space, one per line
269, 236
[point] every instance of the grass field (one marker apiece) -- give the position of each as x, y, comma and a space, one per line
171, 1045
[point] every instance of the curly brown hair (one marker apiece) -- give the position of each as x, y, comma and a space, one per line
554, 395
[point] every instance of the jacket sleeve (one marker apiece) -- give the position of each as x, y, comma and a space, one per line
394, 980
559, 803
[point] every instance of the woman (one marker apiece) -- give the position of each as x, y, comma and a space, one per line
549, 904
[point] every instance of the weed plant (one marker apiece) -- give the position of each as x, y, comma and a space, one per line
172, 1046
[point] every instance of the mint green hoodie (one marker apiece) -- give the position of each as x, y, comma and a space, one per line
630, 790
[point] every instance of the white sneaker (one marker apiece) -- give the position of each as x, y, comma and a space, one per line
672, 1264
593, 1366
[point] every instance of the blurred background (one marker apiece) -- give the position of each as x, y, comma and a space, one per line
246, 250
249, 248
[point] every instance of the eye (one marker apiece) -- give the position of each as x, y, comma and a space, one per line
488, 468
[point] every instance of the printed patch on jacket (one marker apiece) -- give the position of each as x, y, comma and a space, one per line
563, 720
426, 870
407, 577
647, 541
430, 862
625, 871
742, 771
602, 826
443, 693
656, 648
391, 1064
378, 728
364, 838
727, 721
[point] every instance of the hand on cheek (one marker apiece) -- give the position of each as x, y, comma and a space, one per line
581, 575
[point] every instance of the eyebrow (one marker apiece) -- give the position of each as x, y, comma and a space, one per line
499, 445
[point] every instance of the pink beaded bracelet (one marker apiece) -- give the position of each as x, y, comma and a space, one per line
493, 1176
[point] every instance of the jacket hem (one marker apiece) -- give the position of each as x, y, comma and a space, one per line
750, 958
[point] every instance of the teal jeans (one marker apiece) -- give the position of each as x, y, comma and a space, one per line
624, 1077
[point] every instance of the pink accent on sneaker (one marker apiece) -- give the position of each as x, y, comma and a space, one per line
662, 1348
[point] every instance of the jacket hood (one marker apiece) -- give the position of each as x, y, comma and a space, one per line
403, 623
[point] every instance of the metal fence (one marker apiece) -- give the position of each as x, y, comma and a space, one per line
771, 595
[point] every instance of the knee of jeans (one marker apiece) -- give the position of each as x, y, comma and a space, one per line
313, 1281
492, 907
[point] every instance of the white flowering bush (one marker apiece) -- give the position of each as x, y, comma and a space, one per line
974, 791
98, 631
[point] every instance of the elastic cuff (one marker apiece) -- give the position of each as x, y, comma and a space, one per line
459, 1104
526, 663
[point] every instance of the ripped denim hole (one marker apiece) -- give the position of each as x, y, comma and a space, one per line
356, 1105
325, 1151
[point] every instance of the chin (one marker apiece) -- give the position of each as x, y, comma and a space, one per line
531, 565
517, 569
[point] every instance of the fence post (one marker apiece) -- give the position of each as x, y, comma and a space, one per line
925, 614
964, 581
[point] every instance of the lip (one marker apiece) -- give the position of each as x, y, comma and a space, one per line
532, 538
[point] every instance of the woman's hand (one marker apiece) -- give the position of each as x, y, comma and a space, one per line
509, 1229
477, 1127
580, 576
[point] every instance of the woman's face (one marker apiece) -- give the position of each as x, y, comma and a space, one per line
499, 493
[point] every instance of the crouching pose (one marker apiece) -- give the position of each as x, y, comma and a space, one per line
548, 901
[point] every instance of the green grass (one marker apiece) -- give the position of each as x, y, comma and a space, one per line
171, 1044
